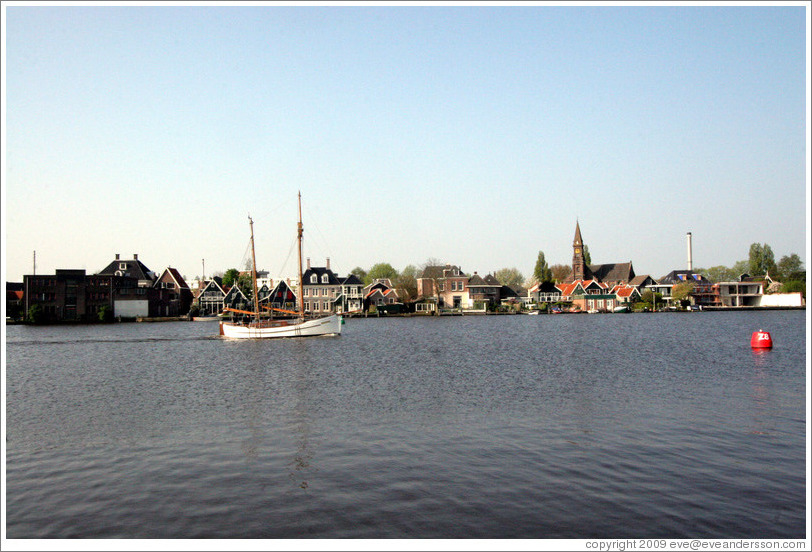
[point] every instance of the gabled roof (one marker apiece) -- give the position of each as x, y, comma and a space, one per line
213, 284
613, 272
352, 280
492, 281
640, 280
174, 275
476, 280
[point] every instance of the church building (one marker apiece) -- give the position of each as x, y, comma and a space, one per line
611, 274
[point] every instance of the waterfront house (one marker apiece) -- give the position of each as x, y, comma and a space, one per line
281, 296
174, 296
351, 298
325, 293
447, 284
210, 298
236, 299
544, 292
14, 300
703, 287
132, 268
486, 291
380, 293
71, 295
745, 292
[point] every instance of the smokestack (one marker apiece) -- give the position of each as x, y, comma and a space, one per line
690, 254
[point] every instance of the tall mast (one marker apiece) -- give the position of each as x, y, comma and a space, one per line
301, 276
254, 268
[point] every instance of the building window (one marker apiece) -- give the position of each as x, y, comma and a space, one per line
314, 279
324, 279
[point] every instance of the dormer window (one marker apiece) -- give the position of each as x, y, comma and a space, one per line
314, 279
324, 279
122, 266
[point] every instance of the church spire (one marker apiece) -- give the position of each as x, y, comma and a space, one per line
577, 241
579, 267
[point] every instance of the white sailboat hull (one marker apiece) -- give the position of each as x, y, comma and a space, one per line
330, 325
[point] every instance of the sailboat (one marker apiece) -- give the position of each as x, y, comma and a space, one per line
257, 328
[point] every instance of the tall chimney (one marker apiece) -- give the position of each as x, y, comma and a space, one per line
135, 256
308, 263
328, 263
117, 257
690, 255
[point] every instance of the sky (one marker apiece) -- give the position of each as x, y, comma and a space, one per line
475, 135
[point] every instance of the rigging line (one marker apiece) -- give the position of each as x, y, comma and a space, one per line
320, 234
273, 213
281, 273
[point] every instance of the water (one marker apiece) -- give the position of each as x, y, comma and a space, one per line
612, 426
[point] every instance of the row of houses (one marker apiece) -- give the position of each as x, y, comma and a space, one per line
323, 292
125, 288
129, 289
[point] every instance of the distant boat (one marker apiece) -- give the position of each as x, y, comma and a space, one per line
533, 312
256, 328
622, 308
593, 311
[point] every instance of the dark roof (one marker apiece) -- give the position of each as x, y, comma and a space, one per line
612, 272
476, 280
132, 268
439, 271
679, 276
352, 280
15, 286
492, 281
319, 271
640, 280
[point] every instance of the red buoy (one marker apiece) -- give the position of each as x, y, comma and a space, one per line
761, 340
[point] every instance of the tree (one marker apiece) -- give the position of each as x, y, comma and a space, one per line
542, 273
360, 273
230, 277
718, 273
246, 283
741, 267
794, 286
587, 256
382, 270
762, 259
790, 267
105, 314
407, 282
35, 315
560, 272
682, 292
509, 277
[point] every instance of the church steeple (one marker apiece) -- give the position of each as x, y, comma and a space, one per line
578, 261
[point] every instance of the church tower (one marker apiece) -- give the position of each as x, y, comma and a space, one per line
579, 267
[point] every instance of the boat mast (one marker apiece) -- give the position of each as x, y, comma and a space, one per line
254, 268
301, 277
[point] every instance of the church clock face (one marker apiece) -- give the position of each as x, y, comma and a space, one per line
577, 250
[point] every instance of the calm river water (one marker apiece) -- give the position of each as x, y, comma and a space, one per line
612, 426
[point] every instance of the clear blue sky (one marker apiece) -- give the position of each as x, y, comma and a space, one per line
474, 135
